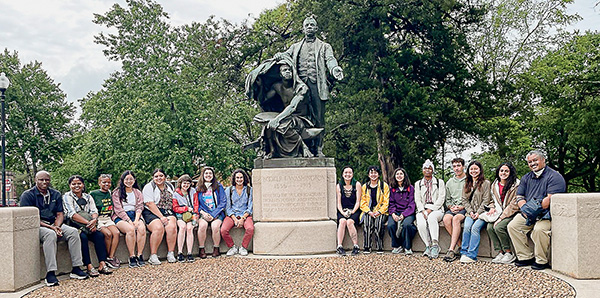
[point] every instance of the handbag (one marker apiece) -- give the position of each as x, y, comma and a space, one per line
187, 216
84, 214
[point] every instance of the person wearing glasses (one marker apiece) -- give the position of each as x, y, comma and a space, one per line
128, 203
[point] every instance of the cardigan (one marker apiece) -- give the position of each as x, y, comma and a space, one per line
118, 210
509, 206
481, 198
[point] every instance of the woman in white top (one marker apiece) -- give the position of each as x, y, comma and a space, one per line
430, 194
159, 216
128, 203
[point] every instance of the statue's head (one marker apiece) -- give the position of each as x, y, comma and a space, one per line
285, 71
309, 26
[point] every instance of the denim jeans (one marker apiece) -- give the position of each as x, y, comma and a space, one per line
408, 232
471, 237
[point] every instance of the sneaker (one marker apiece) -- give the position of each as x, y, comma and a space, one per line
77, 273
355, 250
408, 252
202, 253
498, 258
153, 260
450, 256
397, 250
465, 259
435, 252
133, 262
243, 251
427, 252
340, 251
51, 279
538, 266
171, 257
110, 263
190, 258
524, 263
216, 252
140, 261
508, 258
367, 250
232, 251
180, 258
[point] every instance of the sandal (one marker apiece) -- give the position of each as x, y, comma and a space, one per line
93, 272
105, 270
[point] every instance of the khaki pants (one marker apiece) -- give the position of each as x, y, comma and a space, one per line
540, 234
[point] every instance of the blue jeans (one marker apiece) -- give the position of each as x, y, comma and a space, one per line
471, 237
406, 235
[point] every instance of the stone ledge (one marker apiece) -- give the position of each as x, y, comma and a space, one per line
299, 162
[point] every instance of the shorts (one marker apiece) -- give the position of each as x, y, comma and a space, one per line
221, 217
463, 212
149, 216
355, 217
104, 221
131, 215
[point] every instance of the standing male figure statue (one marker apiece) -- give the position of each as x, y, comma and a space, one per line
314, 61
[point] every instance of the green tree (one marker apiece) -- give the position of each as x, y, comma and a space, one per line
175, 103
39, 119
564, 89
407, 86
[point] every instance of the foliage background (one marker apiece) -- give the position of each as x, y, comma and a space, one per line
424, 79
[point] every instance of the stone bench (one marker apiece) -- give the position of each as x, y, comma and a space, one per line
63, 258
486, 248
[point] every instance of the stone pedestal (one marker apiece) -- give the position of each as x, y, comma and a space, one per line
294, 206
19, 256
575, 234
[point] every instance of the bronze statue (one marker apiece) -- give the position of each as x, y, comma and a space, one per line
282, 96
314, 60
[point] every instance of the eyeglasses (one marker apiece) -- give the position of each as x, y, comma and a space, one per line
105, 176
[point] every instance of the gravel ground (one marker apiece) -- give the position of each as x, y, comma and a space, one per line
374, 275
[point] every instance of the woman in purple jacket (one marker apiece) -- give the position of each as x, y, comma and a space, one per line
402, 213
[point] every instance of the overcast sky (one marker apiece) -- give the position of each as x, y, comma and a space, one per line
60, 33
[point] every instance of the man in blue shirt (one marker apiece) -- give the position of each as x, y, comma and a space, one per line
533, 197
50, 204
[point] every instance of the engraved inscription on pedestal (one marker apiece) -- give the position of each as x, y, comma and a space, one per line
293, 194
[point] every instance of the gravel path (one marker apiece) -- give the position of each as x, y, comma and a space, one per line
374, 275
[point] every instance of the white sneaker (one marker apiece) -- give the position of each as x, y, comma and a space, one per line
232, 251
408, 252
397, 250
171, 257
465, 259
498, 258
243, 251
508, 258
154, 260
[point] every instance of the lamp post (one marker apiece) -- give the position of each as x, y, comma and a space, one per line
4, 83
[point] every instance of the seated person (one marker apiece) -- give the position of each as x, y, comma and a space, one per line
52, 228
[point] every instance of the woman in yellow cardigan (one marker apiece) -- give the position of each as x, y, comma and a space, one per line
374, 206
